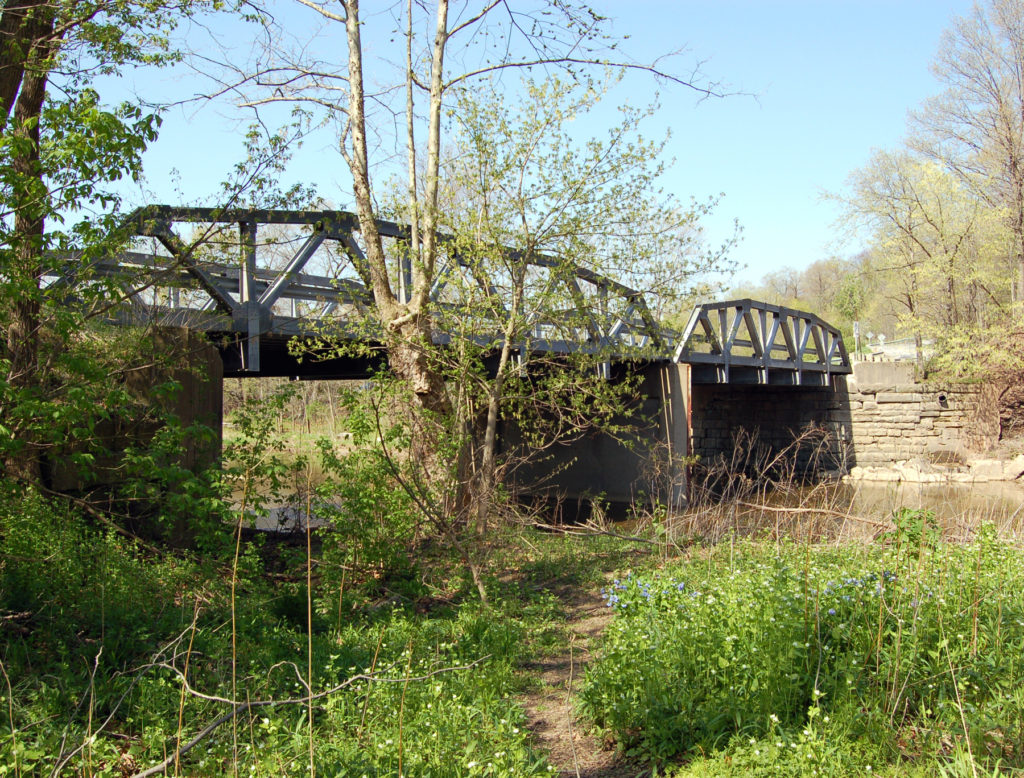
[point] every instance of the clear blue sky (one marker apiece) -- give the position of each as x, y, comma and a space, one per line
826, 81
833, 79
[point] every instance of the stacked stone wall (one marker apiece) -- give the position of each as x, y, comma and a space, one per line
889, 423
867, 422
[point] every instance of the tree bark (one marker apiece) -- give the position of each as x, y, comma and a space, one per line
488, 455
23, 25
407, 328
30, 199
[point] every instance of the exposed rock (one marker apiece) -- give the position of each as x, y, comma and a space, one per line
1014, 468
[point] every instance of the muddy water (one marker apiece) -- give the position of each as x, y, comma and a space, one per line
998, 502
954, 505
864, 509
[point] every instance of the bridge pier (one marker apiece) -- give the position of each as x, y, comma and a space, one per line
179, 355
647, 467
729, 419
676, 393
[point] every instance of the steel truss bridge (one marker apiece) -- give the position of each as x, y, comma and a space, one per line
256, 279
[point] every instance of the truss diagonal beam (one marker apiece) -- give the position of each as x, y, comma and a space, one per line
288, 275
183, 255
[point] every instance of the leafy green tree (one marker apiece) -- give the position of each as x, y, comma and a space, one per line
62, 148
850, 296
446, 51
938, 249
975, 126
520, 192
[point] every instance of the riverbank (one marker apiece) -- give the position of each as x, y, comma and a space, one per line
973, 470
119, 658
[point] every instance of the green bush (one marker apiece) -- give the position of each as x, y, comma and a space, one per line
915, 645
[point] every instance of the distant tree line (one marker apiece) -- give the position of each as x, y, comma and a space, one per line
942, 216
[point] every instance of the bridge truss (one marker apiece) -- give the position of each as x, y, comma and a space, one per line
256, 279
751, 342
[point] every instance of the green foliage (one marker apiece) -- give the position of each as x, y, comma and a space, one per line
65, 152
97, 635
521, 180
371, 519
902, 649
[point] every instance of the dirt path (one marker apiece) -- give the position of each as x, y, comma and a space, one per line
549, 709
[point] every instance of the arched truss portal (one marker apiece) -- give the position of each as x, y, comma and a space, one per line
750, 342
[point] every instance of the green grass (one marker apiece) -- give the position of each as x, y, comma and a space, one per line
795, 659
97, 634
747, 658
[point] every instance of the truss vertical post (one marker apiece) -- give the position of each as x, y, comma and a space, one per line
677, 431
405, 274
766, 346
247, 294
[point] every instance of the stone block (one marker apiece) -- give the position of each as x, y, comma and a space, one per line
873, 373
898, 397
986, 468
1014, 468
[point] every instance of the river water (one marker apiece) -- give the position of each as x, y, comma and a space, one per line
871, 504
861, 509
1001, 502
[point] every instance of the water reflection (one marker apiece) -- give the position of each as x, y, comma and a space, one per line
862, 509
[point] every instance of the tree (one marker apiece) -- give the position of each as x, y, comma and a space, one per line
976, 126
937, 248
530, 204
62, 148
447, 49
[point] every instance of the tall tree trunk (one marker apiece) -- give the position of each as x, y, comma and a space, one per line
1018, 234
23, 26
407, 327
488, 456
30, 201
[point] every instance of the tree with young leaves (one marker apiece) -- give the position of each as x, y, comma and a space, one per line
448, 48
61, 149
975, 127
530, 204
938, 250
